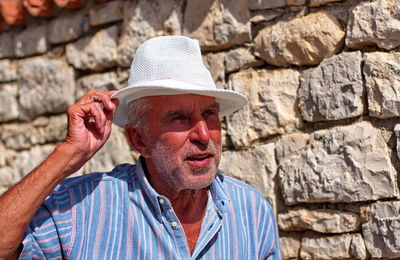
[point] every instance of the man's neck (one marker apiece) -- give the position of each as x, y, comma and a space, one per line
189, 205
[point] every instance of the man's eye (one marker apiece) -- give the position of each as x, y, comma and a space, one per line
210, 113
181, 118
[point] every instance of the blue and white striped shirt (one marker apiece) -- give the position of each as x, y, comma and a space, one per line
118, 215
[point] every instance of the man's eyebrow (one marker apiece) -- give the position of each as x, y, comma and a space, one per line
213, 106
171, 114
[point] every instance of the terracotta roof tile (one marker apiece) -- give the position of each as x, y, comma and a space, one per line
43, 8
13, 12
70, 3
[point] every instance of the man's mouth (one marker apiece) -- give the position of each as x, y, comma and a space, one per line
200, 160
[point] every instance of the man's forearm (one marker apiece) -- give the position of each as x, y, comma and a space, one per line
19, 204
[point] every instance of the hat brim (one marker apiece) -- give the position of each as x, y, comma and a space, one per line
229, 101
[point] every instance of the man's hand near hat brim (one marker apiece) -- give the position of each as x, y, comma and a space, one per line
89, 127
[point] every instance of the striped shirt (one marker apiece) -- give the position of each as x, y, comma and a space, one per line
118, 215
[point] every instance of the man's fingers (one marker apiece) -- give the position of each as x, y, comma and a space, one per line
103, 97
93, 114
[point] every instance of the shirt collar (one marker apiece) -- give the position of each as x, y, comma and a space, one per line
219, 197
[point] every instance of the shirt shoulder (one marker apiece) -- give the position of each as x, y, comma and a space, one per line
86, 183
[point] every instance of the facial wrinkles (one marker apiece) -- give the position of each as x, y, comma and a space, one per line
176, 173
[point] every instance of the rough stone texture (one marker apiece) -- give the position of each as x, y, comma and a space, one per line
145, 19
265, 115
46, 86
327, 248
342, 164
290, 247
291, 144
357, 247
320, 220
9, 102
41, 131
8, 70
333, 90
266, 4
315, 3
106, 13
102, 82
27, 160
374, 23
6, 44
215, 64
94, 53
382, 80
217, 24
260, 162
240, 58
115, 151
67, 27
382, 230
31, 41
300, 41
7, 178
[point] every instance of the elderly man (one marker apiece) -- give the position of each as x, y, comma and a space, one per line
172, 204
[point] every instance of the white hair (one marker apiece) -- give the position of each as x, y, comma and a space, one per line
136, 111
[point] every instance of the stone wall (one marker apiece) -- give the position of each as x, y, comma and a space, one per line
322, 77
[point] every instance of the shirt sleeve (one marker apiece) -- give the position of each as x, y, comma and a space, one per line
48, 235
268, 232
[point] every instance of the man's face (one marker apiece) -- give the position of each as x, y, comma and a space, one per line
183, 139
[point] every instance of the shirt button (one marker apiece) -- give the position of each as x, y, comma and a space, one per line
161, 201
174, 224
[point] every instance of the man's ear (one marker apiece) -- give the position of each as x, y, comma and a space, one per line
135, 138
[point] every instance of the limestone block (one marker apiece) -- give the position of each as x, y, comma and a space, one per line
357, 247
374, 23
342, 164
8, 70
7, 177
215, 64
146, 19
28, 160
319, 220
290, 246
42, 130
266, 4
333, 90
95, 52
315, 3
291, 144
7, 157
301, 41
255, 166
382, 230
382, 80
67, 27
326, 248
115, 151
264, 16
46, 86
102, 82
240, 58
265, 115
217, 24
31, 41
9, 102
6, 44
106, 13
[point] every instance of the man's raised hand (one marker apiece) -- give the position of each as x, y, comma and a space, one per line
90, 121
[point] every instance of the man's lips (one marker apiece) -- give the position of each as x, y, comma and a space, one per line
200, 160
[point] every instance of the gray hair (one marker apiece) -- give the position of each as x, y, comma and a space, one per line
136, 111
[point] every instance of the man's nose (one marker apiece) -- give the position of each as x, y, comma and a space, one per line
200, 132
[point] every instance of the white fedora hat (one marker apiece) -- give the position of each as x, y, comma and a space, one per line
172, 65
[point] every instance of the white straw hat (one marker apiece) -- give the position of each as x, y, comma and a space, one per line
172, 65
